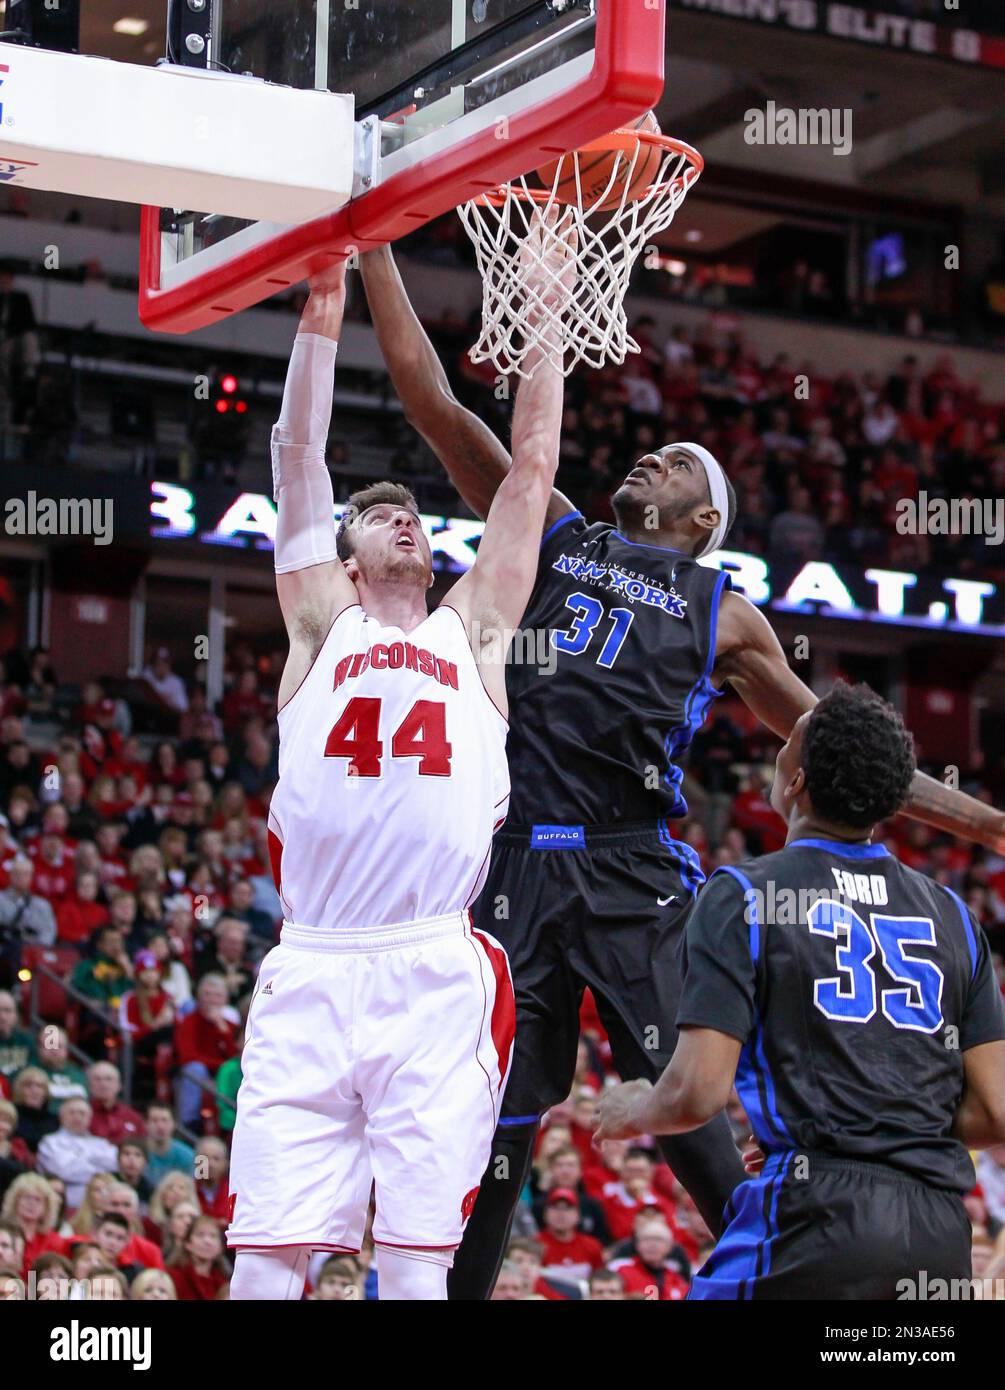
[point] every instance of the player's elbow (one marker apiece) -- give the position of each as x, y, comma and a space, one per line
996, 1121
432, 409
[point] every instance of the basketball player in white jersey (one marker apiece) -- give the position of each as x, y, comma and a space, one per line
379, 1036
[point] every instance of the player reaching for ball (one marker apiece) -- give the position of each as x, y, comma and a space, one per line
587, 886
379, 1036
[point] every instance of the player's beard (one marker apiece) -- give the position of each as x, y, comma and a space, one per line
631, 506
401, 567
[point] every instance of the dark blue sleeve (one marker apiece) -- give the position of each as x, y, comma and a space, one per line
983, 1014
562, 535
718, 963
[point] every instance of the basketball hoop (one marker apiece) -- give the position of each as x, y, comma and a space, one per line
612, 230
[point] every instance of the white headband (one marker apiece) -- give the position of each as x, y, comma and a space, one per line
717, 491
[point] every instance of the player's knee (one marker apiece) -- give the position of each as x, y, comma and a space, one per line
270, 1273
415, 1275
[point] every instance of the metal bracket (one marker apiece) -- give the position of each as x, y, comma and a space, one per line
366, 156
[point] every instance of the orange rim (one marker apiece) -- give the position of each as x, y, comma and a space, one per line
617, 142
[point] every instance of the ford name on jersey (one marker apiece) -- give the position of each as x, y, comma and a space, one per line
623, 583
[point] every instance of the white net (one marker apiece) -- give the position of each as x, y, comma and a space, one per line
592, 325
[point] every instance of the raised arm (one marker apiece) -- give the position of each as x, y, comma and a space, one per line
492, 596
310, 581
475, 460
750, 657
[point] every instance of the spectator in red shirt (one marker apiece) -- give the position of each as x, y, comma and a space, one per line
114, 870
649, 1273
80, 914
632, 1193
111, 1236
54, 874
202, 1272
204, 1039
33, 1206
112, 1119
565, 1169
584, 1108
15, 1156
146, 1012
122, 1201
198, 722
243, 702
567, 1254
753, 813
212, 1185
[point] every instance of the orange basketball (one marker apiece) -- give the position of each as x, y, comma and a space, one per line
597, 170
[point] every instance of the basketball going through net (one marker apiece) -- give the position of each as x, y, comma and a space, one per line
622, 191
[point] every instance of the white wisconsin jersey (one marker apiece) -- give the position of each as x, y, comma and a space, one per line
392, 777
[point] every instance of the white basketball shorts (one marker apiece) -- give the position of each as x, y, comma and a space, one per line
377, 1056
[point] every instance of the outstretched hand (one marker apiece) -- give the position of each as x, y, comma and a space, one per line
548, 262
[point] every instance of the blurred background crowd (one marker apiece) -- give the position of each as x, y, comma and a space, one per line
136, 903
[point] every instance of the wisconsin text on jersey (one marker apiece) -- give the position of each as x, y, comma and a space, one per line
624, 582
395, 656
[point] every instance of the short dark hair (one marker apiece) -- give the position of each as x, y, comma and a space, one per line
113, 1218
730, 506
376, 495
605, 1276
857, 757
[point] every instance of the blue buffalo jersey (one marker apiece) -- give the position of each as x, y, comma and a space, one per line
855, 985
629, 630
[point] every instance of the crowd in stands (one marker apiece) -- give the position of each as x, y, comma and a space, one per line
819, 463
134, 863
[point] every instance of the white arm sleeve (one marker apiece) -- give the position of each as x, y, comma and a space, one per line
301, 485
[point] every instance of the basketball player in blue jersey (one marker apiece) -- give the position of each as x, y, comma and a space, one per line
587, 887
864, 1031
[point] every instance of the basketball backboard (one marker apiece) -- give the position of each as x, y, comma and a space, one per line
453, 97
